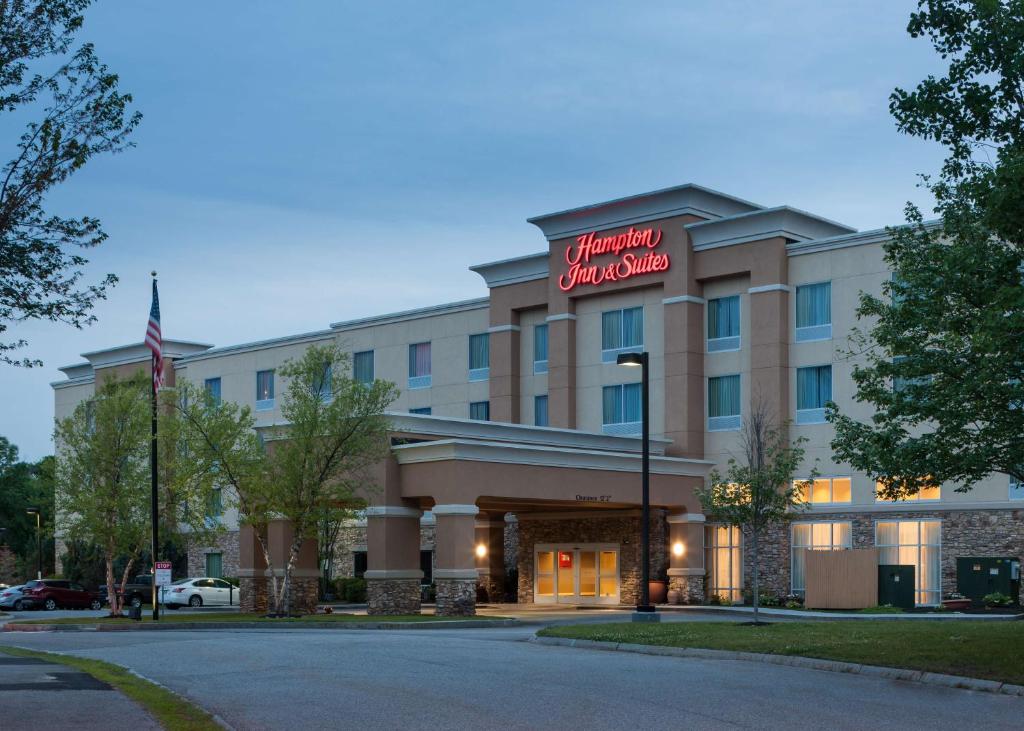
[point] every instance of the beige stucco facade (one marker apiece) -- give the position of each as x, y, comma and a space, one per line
471, 474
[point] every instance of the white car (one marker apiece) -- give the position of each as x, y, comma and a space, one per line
10, 598
201, 592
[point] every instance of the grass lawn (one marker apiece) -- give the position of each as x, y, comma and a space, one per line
990, 650
171, 711
175, 617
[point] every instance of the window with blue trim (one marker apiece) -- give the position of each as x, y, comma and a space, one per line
622, 331
212, 386
540, 410
621, 409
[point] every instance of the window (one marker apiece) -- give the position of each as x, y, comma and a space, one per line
915, 543
90, 416
214, 565
362, 367
816, 537
427, 566
927, 492
901, 383
480, 411
419, 365
621, 409
813, 391
359, 563
264, 390
724, 552
540, 349
724, 403
479, 357
540, 410
814, 312
622, 331
326, 385
724, 324
214, 508
1016, 489
424, 410
824, 490
212, 386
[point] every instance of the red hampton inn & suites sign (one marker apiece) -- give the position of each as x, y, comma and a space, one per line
626, 264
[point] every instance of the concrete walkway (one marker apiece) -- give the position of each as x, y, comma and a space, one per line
44, 695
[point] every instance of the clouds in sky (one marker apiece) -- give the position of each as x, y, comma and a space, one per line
305, 163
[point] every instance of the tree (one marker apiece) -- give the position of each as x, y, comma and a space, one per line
311, 471
318, 464
24, 485
79, 114
758, 492
942, 361
103, 474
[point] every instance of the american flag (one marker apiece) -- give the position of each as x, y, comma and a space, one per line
154, 341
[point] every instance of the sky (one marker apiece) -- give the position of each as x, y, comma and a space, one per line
304, 163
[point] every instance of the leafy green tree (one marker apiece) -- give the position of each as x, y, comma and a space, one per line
319, 463
940, 358
758, 492
103, 476
76, 112
24, 485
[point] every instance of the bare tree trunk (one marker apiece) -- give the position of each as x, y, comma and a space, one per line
293, 556
755, 539
124, 582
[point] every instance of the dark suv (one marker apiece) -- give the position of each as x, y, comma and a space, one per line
57, 593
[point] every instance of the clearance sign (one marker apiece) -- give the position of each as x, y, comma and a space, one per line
633, 251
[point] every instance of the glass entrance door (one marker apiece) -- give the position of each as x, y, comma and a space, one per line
580, 574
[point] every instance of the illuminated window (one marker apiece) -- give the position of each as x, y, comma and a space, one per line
813, 391
928, 491
540, 349
622, 331
479, 357
724, 553
724, 324
814, 312
823, 490
264, 390
915, 543
816, 537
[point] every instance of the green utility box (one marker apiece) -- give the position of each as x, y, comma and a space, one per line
980, 575
896, 586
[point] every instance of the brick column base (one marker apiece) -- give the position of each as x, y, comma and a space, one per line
690, 588
305, 592
393, 596
253, 595
456, 597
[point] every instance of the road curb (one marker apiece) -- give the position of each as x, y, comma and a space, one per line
290, 625
807, 615
811, 663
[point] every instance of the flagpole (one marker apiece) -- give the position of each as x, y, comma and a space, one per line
153, 511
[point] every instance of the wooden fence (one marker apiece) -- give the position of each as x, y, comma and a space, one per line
841, 579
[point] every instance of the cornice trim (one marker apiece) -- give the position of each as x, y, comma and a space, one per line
684, 298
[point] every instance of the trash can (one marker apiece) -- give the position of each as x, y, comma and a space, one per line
135, 613
896, 586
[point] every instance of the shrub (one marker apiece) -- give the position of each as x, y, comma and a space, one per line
716, 600
351, 590
997, 599
767, 598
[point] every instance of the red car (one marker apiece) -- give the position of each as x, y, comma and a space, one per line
57, 593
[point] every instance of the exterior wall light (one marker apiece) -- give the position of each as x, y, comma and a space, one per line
481, 550
678, 548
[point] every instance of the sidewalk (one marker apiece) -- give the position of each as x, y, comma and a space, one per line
811, 614
50, 695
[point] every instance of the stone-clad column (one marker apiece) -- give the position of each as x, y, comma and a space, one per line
490, 555
686, 556
393, 574
252, 571
455, 573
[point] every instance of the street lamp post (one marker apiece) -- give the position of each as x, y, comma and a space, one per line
645, 611
39, 541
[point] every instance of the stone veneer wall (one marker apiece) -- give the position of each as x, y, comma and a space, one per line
226, 544
963, 533
254, 594
621, 530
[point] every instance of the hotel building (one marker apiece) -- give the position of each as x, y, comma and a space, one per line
514, 469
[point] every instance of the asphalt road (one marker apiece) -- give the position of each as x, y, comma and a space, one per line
492, 678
